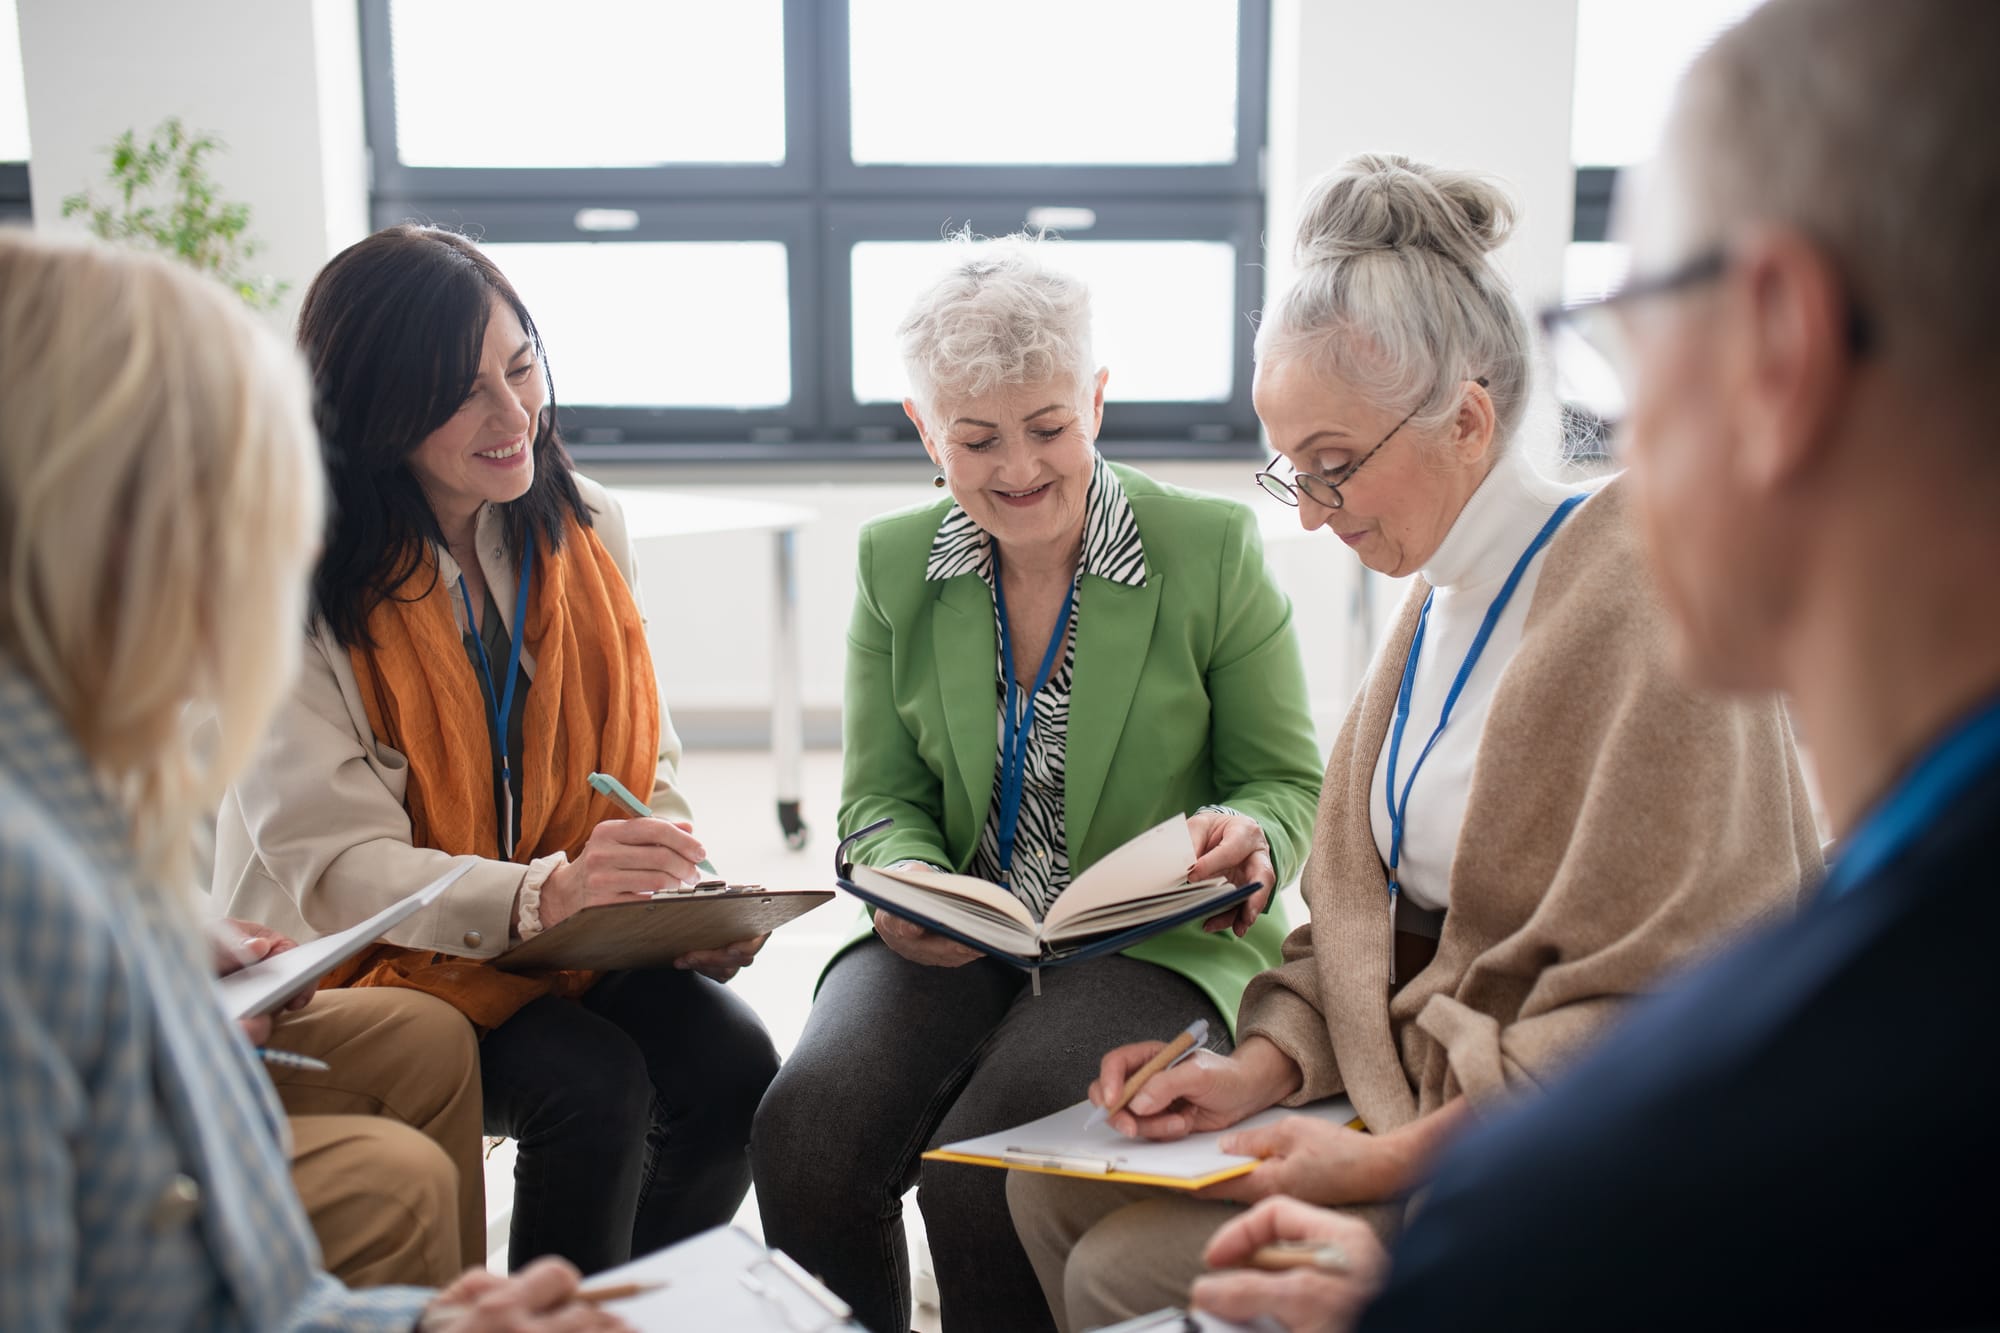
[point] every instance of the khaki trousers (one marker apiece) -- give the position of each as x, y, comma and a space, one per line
386, 1143
1107, 1252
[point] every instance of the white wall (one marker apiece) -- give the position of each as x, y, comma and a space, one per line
278, 81
1470, 83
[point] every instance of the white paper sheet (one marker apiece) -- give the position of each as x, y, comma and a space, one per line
722, 1280
262, 987
1066, 1141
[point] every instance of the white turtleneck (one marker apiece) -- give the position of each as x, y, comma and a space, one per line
1467, 571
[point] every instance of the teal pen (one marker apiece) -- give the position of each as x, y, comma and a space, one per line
606, 785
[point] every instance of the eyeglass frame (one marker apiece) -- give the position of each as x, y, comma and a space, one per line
1287, 493
1706, 266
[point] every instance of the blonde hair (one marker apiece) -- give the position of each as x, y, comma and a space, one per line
1395, 294
1000, 315
160, 499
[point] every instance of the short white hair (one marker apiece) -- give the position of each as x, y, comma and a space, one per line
1001, 315
1395, 294
1857, 122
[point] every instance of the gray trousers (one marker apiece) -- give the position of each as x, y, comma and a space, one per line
898, 1058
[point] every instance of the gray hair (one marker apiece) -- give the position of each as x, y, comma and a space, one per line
1395, 294
1000, 315
1858, 122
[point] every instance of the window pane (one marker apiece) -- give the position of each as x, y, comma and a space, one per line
1628, 59
659, 323
1594, 268
13, 94
1164, 314
1067, 82
588, 83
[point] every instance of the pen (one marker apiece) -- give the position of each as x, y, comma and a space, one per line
1175, 1051
291, 1060
606, 785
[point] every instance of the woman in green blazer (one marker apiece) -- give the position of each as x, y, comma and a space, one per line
1041, 667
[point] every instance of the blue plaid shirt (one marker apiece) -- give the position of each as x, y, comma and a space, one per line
143, 1173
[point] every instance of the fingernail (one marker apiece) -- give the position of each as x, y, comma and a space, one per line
689, 881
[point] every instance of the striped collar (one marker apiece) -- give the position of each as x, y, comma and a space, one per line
1111, 547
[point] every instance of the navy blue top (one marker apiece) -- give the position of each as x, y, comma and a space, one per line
1804, 1134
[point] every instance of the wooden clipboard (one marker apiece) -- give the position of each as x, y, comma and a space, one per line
652, 932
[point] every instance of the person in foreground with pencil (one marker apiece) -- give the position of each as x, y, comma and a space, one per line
476, 652
1043, 663
1526, 819
160, 495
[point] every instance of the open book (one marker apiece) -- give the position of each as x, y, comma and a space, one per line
1137, 890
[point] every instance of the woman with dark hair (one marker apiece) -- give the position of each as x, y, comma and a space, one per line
476, 652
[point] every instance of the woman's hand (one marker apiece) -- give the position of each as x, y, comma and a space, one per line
541, 1298
625, 858
1206, 1091
1232, 846
1303, 1300
724, 963
237, 945
918, 945
1313, 1160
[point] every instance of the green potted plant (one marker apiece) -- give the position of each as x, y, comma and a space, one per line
164, 198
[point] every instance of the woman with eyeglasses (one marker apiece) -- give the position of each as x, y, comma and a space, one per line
1525, 820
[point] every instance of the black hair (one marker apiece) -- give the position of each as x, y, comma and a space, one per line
393, 330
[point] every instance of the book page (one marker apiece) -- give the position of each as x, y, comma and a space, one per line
1156, 860
970, 906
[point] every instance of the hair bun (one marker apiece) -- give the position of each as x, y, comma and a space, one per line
1384, 202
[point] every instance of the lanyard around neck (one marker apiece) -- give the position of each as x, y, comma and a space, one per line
1939, 778
500, 703
1014, 730
1399, 802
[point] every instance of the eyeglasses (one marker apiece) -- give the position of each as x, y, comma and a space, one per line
1323, 490
1592, 356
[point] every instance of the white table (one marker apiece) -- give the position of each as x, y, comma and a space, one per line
656, 514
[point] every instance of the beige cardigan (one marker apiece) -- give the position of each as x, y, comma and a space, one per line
313, 837
1617, 827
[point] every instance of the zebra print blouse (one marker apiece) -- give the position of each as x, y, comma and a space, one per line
1111, 551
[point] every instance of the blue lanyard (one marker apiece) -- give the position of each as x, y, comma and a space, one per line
1399, 806
501, 703
1014, 730
1939, 777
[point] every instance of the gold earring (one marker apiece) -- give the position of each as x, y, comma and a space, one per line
938, 481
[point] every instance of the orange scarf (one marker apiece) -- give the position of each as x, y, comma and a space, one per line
592, 706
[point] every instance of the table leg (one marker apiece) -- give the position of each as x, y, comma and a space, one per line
787, 698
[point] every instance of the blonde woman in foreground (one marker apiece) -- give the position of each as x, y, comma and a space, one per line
159, 500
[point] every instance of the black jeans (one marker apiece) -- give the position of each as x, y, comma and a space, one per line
898, 1058
632, 1111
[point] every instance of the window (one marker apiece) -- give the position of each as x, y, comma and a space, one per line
1629, 59
14, 202
718, 212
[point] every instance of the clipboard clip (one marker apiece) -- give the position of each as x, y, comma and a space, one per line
835, 1311
1057, 1161
844, 868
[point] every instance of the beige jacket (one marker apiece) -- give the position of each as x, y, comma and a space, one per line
1617, 827
313, 836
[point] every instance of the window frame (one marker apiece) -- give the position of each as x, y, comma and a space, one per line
820, 203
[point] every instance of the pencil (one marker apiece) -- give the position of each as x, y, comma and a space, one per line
1286, 1255
624, 1291
1166, 1055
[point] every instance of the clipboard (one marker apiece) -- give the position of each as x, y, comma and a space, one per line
1095, 947
652, 932
1064, 1144
723, 1279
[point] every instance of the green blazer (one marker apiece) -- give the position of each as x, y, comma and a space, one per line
1188, 691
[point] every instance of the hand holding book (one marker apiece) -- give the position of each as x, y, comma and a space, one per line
1231, 844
